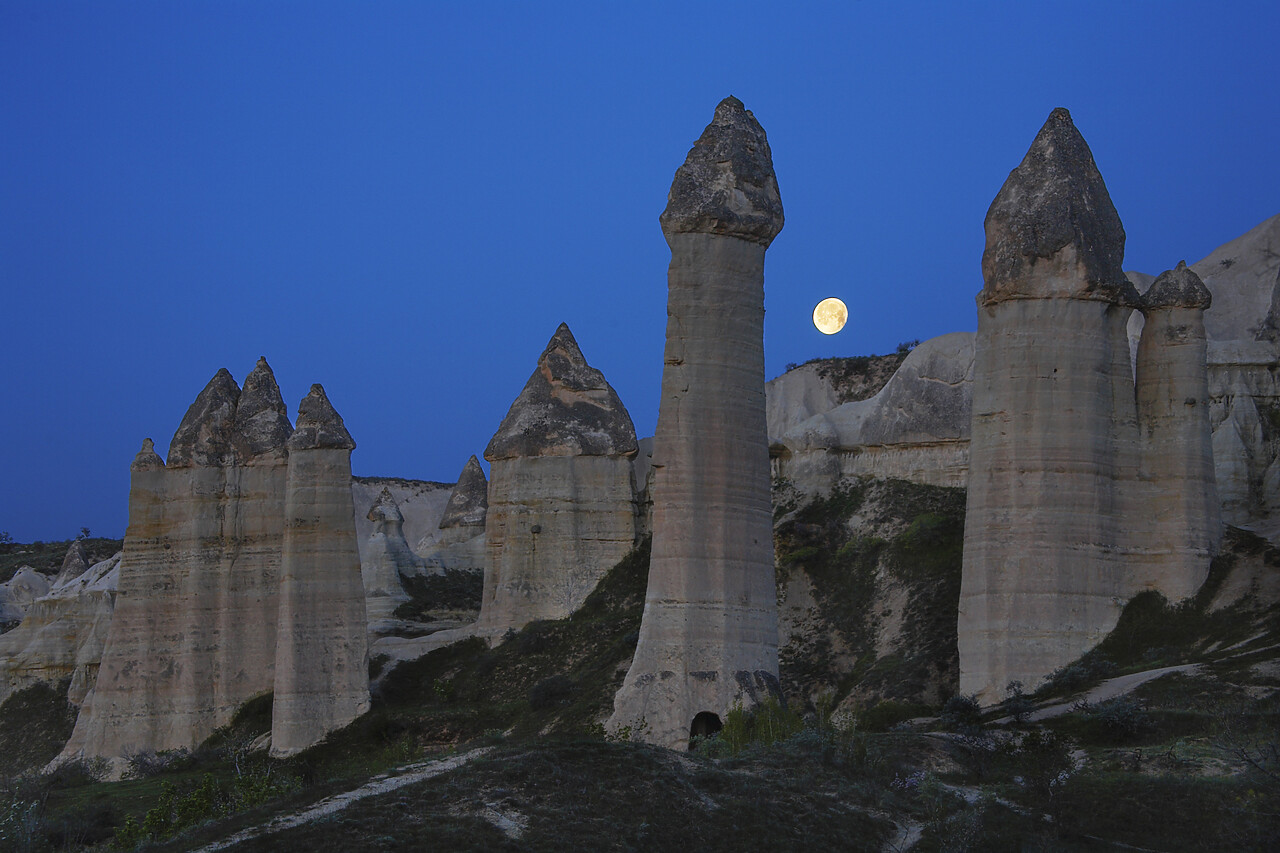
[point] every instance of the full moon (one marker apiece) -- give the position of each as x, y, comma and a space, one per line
830, 315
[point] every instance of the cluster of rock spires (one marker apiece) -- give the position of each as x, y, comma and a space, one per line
1065, 454
1095, 428
240, 576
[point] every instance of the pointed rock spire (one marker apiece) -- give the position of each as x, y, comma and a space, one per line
204, 436
727, 184
469, 500
147, 458
566, 409
1179, 287
319, 425
385, 509
74, 564
1054, 211
262, 423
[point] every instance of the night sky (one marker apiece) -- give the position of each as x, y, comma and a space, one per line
403, 200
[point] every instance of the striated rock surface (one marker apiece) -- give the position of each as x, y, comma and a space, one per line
63, 633
421, 503
194, 631
915, 428
321, 657
561, 503
1054, 433
74, 564
709, 635
1179, 501
387, 554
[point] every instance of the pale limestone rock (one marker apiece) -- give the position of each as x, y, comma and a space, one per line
75, 563
1180, 513
421, 502
794, 397
387, 554
321, 656
709, 635
915, 428
1054, 433
1237, 446
459, 542
63, 634
561, 503
194, 631
19, 592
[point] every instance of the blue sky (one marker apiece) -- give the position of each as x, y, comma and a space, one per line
402, 200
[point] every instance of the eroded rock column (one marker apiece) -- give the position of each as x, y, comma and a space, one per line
561, 502
1054, 436
322, 675
1182, 513
709, 636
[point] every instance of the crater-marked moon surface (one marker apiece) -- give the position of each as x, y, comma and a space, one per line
830, 315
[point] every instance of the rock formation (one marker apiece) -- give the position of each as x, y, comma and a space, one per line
915, 428
561, 503
709, 635
1054, 422
1083, 489
387, 554
18, 593
199, 596
63, 633
1179, 497
193, 636
321, 656
459, 540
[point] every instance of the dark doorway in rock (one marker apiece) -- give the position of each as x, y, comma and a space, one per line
705, 724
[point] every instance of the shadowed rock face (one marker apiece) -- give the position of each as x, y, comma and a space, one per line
1052, 229
469, 500
709, 637
561, 503
566, 409
319, 427
74, 564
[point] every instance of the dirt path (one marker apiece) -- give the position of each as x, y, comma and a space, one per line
407, 775
1109, 689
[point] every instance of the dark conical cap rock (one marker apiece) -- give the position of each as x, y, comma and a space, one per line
1179, 287
74, 564
204, 437
727, 184
319, 426
147, 458
469, 501
566, 409
385, 509
1052, 229
262, 423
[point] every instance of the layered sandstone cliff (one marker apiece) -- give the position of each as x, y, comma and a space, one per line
709, 635
561, 502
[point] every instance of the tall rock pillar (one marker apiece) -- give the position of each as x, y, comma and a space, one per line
709, 635
1181, 497
322, 674
1053, 454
